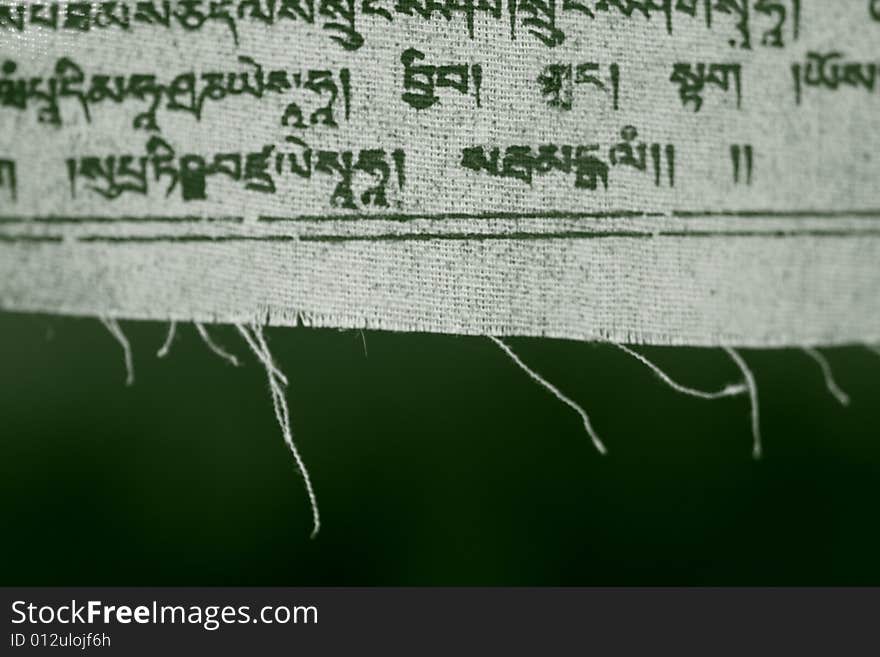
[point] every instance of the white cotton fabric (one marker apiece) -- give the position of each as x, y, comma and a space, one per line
635, 263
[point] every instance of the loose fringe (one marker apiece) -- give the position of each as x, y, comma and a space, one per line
169, 338
730, 390
830, 382
116, 331
555, 391
213, 346
757, 445
257, 343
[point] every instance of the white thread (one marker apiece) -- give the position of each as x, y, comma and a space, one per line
116, 331
166, 346
258, 350
262, 347
364, 340
830, 383
555, 391
213, 346
257, 343
757, 446
731, 390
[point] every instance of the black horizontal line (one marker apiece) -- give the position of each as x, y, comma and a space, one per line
145, 219
578, 235
779, 214
10, 239
564, 214
403, 217
120, 239
516, 236
478, 237
440, 216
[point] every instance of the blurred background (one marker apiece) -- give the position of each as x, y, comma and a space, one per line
435, 461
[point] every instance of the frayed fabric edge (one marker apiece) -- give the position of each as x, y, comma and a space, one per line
255, 339
287, 317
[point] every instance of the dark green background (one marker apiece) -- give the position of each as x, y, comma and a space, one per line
435, 460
